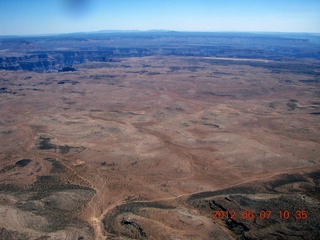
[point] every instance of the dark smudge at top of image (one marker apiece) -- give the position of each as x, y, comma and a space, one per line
77, 8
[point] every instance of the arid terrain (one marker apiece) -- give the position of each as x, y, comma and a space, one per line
151, 145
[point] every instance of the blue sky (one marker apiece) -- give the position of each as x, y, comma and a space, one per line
20, 17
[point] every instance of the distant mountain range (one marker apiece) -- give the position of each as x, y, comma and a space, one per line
286, 34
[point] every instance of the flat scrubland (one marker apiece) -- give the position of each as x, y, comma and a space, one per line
150, 147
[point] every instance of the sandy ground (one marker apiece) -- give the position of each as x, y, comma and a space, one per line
152, 131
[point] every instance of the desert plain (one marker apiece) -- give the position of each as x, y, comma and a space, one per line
151, 147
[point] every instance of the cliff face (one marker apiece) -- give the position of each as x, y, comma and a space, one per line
46, 61
35, 62
56, 60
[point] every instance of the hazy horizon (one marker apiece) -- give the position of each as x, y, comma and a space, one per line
111, 31
35, 17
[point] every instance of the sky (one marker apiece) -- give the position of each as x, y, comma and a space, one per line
24, 17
